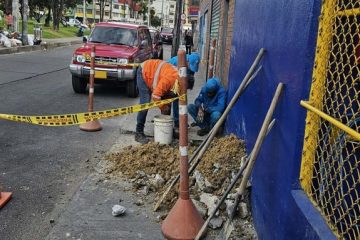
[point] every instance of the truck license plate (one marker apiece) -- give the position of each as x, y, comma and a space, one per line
101, 74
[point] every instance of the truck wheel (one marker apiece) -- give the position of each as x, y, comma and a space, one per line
131, 89
79, 84
161, 54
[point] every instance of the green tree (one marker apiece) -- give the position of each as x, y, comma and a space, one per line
155, 21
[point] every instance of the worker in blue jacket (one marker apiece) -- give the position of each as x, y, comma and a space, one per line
209, 106
192, 62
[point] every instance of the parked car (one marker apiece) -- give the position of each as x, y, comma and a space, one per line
167, 34
157, 44
117, 44
73, 22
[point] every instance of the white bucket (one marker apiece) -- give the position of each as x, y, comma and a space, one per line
163, 129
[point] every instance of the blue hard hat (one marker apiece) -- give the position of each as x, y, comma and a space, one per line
194, 60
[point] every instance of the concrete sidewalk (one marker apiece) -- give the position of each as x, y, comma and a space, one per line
88, 215
45, 44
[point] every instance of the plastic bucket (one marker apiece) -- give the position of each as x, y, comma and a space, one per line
163, 129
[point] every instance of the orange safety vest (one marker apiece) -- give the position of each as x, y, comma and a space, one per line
168, 75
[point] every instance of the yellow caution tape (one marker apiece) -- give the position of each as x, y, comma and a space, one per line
80, 118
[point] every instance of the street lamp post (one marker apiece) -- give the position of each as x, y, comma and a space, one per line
148, 13
84, 12
162, 13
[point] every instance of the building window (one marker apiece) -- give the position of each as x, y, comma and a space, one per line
107, 14
89, 11
171, 14
116, 6
195, 2
171, 21
172, 6
97, 12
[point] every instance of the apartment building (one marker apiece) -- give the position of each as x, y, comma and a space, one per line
165, 10
119, 10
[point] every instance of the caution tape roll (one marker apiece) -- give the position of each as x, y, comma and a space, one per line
80, 118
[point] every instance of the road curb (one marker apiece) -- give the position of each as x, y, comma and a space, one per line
42, 46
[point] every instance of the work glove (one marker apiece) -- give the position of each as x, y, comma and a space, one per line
200, 115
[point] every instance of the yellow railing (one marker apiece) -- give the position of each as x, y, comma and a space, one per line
328, 118
330, 168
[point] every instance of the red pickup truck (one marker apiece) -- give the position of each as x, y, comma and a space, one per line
117, 44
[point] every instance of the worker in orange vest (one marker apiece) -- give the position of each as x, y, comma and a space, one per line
156, 80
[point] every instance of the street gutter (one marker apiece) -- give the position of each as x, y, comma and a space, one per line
42, 46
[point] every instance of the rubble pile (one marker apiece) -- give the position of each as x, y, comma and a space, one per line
13, 39
152, 167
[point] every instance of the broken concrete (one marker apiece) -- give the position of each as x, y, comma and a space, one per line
210, 201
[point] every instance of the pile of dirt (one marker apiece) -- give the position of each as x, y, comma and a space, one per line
151, 167
221, 161
142, 163
151, 158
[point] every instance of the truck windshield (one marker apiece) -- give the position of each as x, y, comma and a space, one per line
114, 35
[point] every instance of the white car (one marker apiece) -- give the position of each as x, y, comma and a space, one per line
73, 22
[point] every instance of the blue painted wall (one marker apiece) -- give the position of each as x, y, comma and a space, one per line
288, 30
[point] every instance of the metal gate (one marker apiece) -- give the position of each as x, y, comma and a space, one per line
215, 19
330, 170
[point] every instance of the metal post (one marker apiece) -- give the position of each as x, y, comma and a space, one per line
183, 221
84, 11
94, 11
177, 26
162, 13
212, 59
15, 15
111, 9
25, 9
93, 125
148, 13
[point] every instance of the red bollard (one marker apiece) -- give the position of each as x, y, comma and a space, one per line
4, 198
94, 125
183, 221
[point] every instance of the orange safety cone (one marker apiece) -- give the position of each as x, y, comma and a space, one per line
94, 125
4, 198
183, 221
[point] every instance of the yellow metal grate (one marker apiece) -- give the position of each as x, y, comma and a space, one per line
330, 171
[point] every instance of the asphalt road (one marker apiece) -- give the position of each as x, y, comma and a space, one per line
44, 166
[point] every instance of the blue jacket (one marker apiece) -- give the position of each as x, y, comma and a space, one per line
216, 103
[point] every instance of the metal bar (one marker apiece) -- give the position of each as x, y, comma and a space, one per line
261, 137
253, 76
332, 120
348, 12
